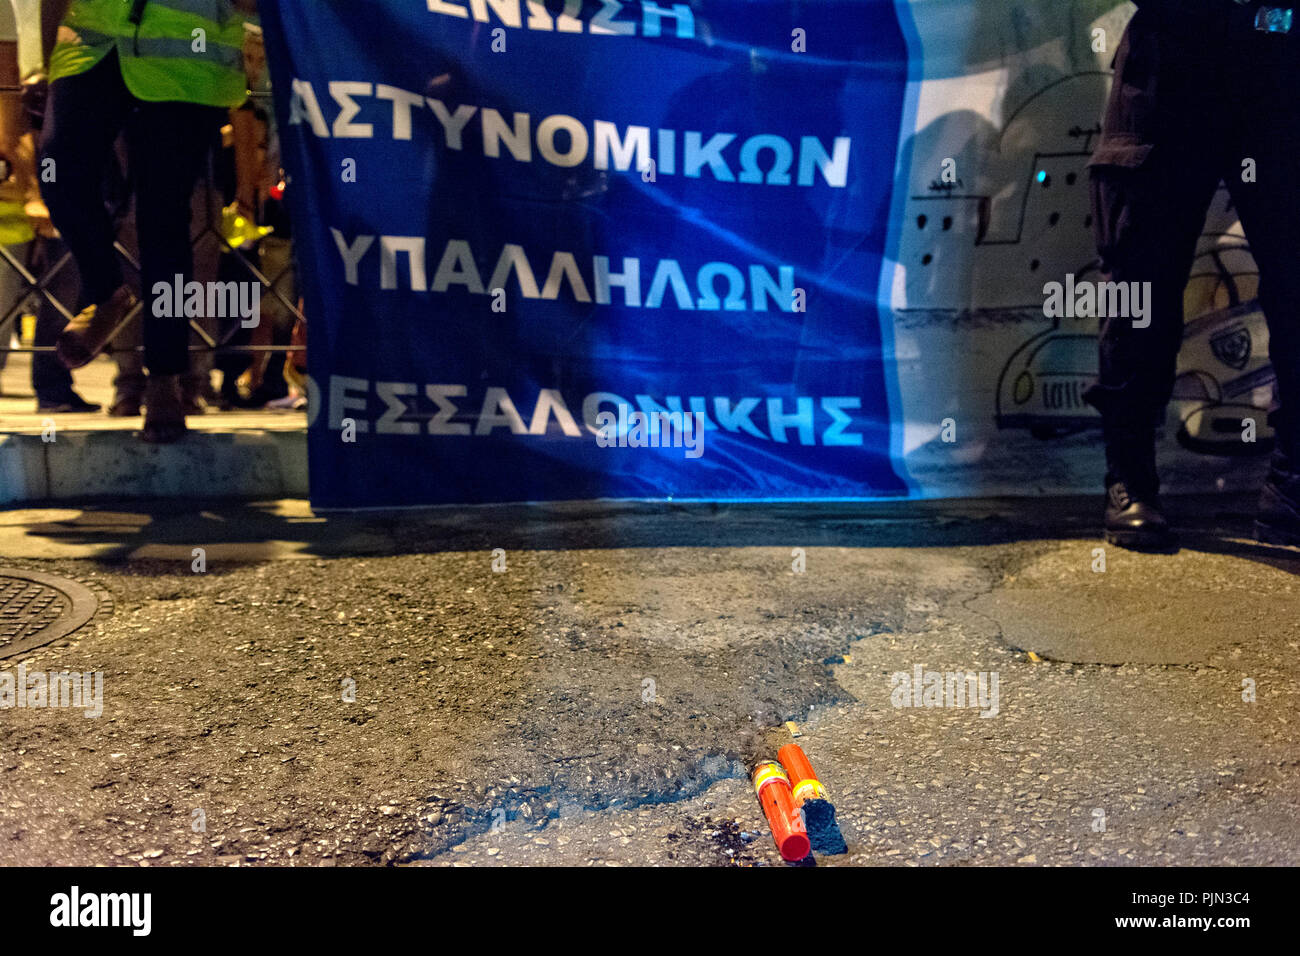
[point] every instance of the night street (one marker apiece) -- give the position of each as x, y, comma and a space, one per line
600, 699
497, 451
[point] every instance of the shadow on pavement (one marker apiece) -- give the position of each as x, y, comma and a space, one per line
167, 529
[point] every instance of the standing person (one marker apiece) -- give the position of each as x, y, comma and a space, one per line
1205, 91
258, 191
166, 72
24, 220
14, 229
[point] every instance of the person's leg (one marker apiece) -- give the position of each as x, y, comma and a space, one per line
277, 265
1153, 177
1270, 213
263, 381
128, 345
51, 380
205, 209
129, 382
168, 144
83, 116
233, 365
11, 290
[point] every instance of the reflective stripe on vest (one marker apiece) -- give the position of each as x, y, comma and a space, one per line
204, 8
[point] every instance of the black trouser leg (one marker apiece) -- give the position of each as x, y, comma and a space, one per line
83, 116
51, 381
1148, 219
1269, 117
168, 145
1153, 178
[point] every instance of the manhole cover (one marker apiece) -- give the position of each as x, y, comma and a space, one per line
36, 609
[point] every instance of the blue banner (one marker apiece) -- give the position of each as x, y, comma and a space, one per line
594, 249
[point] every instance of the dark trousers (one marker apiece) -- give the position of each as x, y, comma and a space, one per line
1191, 103
167, 146
51, 382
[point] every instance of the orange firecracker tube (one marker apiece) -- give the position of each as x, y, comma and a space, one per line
774, 795
803, 781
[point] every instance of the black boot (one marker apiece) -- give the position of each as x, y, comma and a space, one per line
1134, 518
1278, 520
1136, 523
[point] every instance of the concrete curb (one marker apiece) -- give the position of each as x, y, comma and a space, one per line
253, 463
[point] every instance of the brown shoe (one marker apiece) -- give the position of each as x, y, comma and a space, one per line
164, 412
86, 335
125, 406
128, 394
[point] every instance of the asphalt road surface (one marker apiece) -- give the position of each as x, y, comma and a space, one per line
372, 691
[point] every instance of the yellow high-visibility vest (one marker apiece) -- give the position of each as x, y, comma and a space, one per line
15, 227
184, 50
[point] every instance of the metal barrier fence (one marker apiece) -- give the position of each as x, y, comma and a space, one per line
37, 286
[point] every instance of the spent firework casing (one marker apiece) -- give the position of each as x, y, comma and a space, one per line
774, 795
804, 784
811, 797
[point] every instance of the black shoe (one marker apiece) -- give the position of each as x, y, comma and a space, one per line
1278, 519
1135, 523
72, 402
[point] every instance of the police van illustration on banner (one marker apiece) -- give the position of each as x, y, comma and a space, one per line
986, 233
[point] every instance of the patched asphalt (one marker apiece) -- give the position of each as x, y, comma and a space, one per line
599, 700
